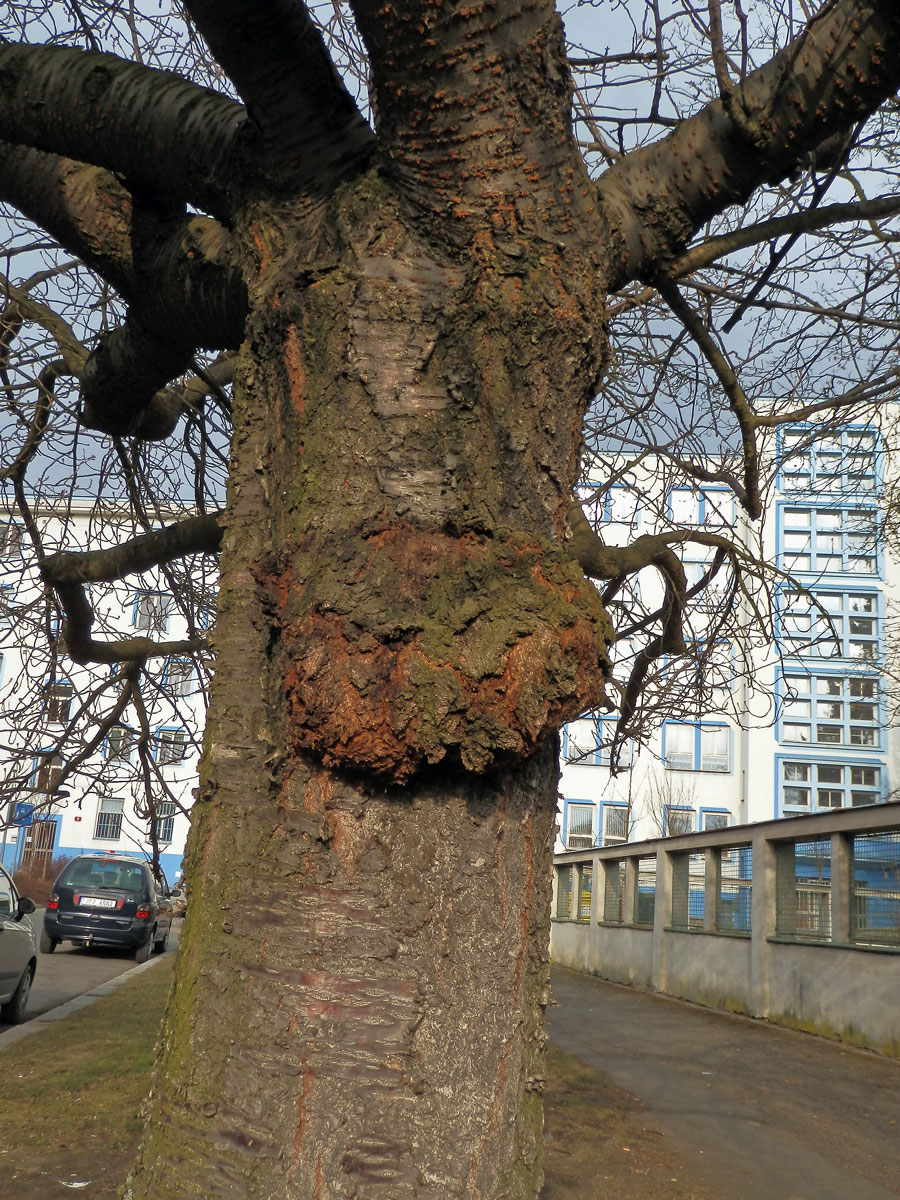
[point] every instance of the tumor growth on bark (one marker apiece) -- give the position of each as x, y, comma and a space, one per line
421, 311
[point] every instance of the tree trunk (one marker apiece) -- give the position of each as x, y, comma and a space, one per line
358, 1011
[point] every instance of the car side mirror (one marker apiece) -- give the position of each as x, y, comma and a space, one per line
25, 906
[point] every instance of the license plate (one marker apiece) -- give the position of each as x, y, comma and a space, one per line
97, 902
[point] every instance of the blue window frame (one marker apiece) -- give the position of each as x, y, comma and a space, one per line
840, 462
615, 823
578, 824
697, 746
58, 697
11, 536
120, 743
602, 504
832, 623
171, 745
165, 821
828, 541
715, 818
48, 768
178, 678
827, 708
588, 739
807, 784
151, 611
679, 820
709, 506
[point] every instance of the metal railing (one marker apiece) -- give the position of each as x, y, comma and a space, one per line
834, 878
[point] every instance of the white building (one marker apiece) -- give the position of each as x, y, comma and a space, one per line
88, 784
802, 725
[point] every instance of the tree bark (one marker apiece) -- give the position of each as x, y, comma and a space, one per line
359, 1006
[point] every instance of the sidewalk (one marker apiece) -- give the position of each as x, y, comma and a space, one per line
758, 1112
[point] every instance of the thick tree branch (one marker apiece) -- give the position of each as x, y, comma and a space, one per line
194, 535
194, 296
180, 274
472, 108
275, 56
68, 572
835, 74
153, 127
86, 209
82, 648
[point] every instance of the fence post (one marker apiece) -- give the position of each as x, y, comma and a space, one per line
662, 916
631, 889
841, 869
762, 921
712, 882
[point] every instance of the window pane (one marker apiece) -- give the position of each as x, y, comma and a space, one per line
796, 772
830, 774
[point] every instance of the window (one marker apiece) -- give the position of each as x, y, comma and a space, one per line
120, 743
603, 504
615, 824
679, 821
165, 821
179, 679
579, 826
696, 746
713, 507
48, 774
709, 819
171, 745
580, 741
588, 741
831, 710
109, 819
58, 702
151, 611
810, 785
832, 624
11, 539
842, 463
828, 540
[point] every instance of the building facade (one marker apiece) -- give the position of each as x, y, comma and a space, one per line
801, 723
79, 759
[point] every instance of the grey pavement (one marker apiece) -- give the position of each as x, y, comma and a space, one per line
71, 972
757, 1112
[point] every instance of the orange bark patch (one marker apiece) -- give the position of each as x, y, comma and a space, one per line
408, 648
296, 371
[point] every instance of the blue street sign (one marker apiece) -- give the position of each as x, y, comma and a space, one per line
23, 815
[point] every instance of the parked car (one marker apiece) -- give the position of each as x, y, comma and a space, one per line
178, 896
108, 900
18, 953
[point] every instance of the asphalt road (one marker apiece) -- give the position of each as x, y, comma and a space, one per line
756, 1112
73, 970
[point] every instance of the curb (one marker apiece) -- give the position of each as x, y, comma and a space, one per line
36, 1024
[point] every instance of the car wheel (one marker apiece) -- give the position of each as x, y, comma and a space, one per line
13, 1012
159, 946
142, 954
48, 943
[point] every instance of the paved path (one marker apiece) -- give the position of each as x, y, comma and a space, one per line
759, 1113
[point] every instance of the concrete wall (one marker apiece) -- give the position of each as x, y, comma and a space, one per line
830, 986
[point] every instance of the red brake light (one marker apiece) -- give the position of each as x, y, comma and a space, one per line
142, 912
53, 902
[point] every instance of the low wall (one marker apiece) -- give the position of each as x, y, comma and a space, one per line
812, 915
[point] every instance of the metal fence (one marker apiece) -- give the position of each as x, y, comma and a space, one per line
836, 880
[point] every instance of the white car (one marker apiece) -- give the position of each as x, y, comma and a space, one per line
18, 952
